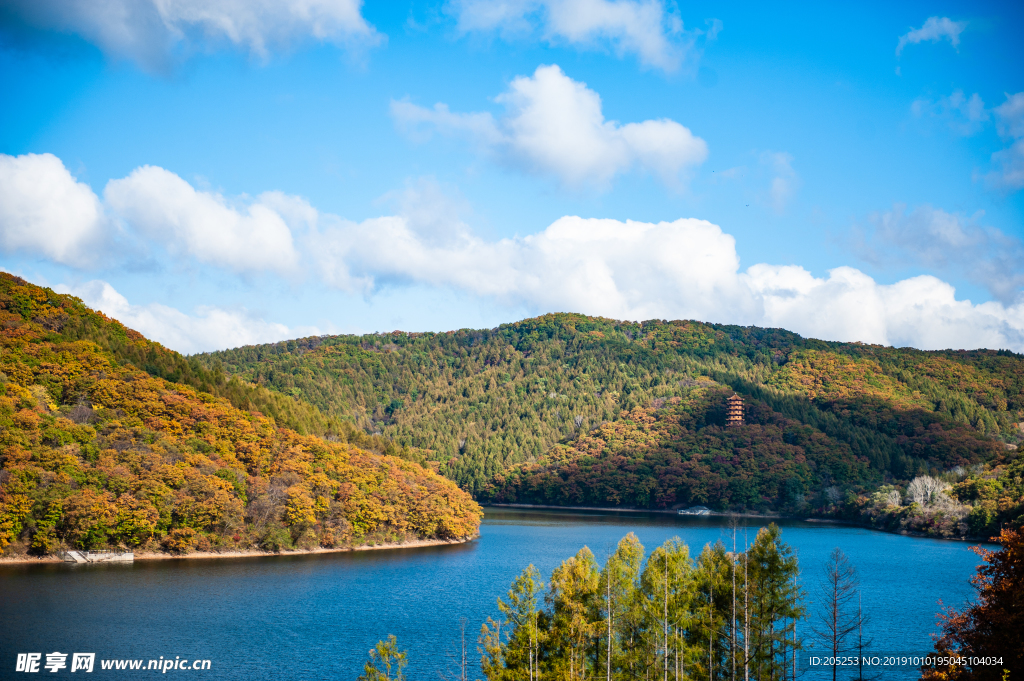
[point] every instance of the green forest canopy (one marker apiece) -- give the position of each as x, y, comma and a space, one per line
484, 404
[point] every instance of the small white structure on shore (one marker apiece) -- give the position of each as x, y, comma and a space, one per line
98, 557
695, 510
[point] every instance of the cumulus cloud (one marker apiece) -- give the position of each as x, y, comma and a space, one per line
686, 268
933, 30
683, 269
253, 237
1009, 162
644, 28
154, 32
947, 242
589, 265
554, 125
921, 312
211, 328
44, 211
964, 115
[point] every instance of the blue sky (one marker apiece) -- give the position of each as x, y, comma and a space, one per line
220, 173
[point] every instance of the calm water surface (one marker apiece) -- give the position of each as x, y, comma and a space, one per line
315, 617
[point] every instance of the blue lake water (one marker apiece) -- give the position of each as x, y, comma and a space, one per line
316, 616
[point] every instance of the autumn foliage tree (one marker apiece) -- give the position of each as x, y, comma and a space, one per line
993, 626
95, 452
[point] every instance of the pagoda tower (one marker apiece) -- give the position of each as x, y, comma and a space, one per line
734, 411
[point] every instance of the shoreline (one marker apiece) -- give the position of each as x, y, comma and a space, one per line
674, 513
766, 516
421, 543
251, 553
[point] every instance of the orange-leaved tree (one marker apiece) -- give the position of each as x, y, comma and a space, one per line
990, 632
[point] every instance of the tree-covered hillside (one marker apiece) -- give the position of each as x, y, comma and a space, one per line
95, 452
75, 321
484, 403
669, 455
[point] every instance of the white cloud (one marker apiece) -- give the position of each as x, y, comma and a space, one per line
255, 237
45, 211
1009, 161
965, 115
593, 266
555, 125
968, 115
430, 211
687, 268
947, 242
784, 182
417, 122
683, 269
508, 16
849, 305
641, 27
212, 328
154, 32
933, 30
1011, 116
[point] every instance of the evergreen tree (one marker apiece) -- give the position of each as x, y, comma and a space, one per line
775, 600
572, 595
667, 592
669, 617
711, 635
620, 609
519, 656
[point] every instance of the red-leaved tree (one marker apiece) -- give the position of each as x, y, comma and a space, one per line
993, 627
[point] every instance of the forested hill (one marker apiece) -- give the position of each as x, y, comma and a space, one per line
821, 415
97, 453
69, 319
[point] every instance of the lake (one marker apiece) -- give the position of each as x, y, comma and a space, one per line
316, 616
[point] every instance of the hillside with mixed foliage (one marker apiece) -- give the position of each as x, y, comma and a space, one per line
568, 409
668, 456
76, 322
97, 452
